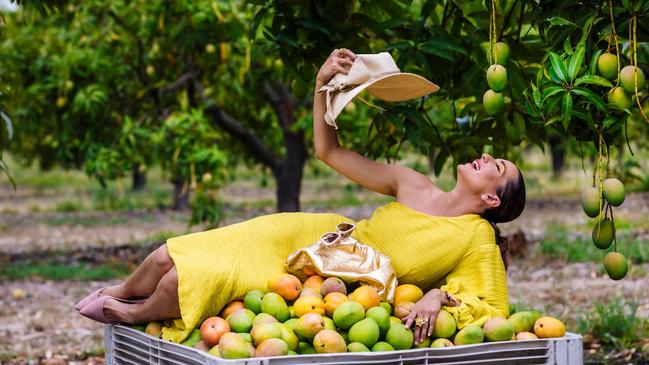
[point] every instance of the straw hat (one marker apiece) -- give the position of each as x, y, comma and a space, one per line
382, 78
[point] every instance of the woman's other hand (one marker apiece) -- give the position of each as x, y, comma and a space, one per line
425, 312
340, 60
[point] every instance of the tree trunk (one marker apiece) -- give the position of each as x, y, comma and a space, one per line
138, 178
288, 176
181, 194
287, 171
558, 151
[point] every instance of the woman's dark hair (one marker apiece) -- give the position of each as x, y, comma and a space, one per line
512, 203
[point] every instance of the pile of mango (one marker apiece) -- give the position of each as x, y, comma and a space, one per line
320, 316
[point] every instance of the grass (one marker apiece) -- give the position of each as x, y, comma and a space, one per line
617, 327
610, 328
80, 272
88, 221
563, 243
116, 198
68, 206
82, 193
161, 236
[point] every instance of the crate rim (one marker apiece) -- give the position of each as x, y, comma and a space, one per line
409, 354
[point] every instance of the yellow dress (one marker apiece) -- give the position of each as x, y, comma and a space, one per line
457, 254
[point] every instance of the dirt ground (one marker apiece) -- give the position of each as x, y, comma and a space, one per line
41, 326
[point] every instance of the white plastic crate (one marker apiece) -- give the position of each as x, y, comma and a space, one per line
125, 345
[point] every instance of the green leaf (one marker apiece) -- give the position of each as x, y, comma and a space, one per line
552, 75
558, 67
289, 62
313, 25
586, 28
537, 95
583, 115
446, 44
552, 121
553, 103
567, 48
576, 60
5, 170
619, 123
427, 8
400, 45
440, 160
594, 80
257, 20
390, 6
592, 67
591, 97
442, 48
531, 109
566, 109
8, 125
551, 90
519, 123
285, 38
391, 23
540, 73
438, 52
555, 20
608, 121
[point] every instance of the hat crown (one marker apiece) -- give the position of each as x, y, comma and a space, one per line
366, 67
379, 74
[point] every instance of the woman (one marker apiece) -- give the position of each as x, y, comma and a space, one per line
446, 242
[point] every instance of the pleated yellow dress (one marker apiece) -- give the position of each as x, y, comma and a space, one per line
457, 254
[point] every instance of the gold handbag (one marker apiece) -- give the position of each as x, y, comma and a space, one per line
340, 255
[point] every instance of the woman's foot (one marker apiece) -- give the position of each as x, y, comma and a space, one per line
117, 291
111, 291
106, 309
114, 291
88, 299
117, 312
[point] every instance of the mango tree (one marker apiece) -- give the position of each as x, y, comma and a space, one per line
107, 80
6, 126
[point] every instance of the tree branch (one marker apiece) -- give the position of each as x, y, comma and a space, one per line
282, 102
520, 22
506, 20
239, 131
139, 67
176, 85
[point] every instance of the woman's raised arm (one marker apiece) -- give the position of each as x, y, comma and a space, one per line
379, 177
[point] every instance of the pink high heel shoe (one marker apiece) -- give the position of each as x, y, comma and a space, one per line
97, 294
95, 308
94, 295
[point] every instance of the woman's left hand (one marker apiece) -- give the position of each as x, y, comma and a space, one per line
425, 312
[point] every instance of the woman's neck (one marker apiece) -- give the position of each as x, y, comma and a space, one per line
458, 202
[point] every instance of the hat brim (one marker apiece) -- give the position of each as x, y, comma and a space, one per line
395, 87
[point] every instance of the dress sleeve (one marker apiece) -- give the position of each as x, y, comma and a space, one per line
479, 282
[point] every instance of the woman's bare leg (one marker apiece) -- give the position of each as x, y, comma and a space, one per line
163, 304
144, 280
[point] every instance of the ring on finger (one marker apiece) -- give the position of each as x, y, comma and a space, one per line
420, 321
341, 52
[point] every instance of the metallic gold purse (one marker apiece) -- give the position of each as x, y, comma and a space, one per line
340, 255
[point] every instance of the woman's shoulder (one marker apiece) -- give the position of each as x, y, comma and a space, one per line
484, 231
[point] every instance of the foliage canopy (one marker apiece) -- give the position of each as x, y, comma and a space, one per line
198, 86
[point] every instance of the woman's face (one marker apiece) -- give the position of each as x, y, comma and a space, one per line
486, 174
